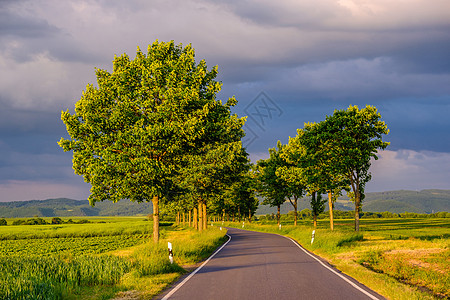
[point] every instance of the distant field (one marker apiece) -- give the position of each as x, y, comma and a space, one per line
97, 226
399, 258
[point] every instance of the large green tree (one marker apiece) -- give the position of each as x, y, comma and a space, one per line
130, 133
354, 138
318, 144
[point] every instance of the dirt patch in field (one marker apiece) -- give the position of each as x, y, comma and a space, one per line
128, 295
417, 252
123, 253
347, 256
416, 257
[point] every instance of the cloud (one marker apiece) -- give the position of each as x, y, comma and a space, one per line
352, 15
33, 162
42, 84
15, 24
370, 79
251, 42
16, 190
409, 170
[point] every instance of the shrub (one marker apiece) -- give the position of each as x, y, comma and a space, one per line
57, 220
83, 221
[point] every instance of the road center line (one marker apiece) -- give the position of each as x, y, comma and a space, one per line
196, 270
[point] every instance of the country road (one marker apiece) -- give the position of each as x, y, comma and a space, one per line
254, 265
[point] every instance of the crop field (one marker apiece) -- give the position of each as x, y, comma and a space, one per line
399, 258
95, 260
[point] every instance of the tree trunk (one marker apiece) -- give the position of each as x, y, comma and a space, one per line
239, 214
195, 219
249, 215
314, 210
189, 218
295, 211
330, 206
178, 218
357, 205
223, 215
155, 202
278, 214
184, 218
200, 216
205, 218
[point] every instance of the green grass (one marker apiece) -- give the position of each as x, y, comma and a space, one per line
399, 258
69, 246
51, 277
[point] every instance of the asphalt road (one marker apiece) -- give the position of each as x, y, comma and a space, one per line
254, 265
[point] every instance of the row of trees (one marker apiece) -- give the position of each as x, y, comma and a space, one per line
326, 157
153, 130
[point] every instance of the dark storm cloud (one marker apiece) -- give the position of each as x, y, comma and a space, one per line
415, 39
14, 121
23, 35
428, 56
14, 25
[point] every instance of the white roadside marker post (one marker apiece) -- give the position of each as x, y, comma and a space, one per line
169, 245
312, 238
279, 227
242, 224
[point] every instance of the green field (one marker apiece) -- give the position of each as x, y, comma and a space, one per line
399, 258
96, 260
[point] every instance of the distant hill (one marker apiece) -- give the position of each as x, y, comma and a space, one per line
63, 207
425, 201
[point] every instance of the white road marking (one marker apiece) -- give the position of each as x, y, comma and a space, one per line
196, 270
332, 270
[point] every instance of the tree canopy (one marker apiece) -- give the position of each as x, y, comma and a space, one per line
131, 133
328, 156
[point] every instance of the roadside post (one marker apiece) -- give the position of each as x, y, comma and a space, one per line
312, 238
169, 245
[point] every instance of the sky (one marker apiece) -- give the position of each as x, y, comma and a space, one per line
287, 62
